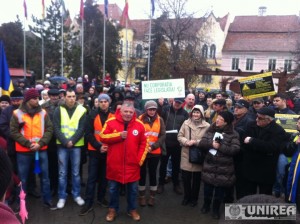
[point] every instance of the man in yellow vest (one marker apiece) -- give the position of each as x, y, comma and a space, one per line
97, 156
69, 124
31, 129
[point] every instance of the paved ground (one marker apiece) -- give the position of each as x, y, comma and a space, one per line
168, 210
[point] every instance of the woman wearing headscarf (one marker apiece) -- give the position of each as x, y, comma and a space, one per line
222, 143
156, 134
190, 134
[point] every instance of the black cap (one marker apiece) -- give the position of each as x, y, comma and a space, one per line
266, 111
220, 102
53, 92
242, 103
129, 97
227, 116
179, 100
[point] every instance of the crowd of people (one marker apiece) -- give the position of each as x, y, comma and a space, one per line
51, 130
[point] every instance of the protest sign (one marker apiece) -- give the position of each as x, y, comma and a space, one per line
287, 121
257, 85
167, 88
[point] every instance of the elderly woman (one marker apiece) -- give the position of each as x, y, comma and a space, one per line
222, 143
190, 134
156, 134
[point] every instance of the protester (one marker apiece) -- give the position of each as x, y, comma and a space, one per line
125, 137
190, 134
222, 143
156, 134
69, 124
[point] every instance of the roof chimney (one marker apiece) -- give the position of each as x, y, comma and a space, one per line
262, 10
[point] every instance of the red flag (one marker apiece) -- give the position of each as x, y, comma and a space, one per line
43, 9
81, 10
125, 10
25, 9
124, 17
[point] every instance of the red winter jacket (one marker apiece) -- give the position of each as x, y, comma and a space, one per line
124, 157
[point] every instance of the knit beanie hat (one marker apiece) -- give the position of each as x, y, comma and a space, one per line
16, 94
227, 116
31, 94
104, 96
150, 104
5, 98
5, 172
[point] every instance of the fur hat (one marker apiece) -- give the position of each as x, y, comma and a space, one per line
227, 116
150, 104
31, 94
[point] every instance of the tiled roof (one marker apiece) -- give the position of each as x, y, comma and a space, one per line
265, 24
18, 72
140, 27
114, 11
223, 21
263, 33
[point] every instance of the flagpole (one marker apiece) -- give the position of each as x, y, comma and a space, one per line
82, 43
43, 58
62, 44
24, 51
149, 47
126, 56
104, 48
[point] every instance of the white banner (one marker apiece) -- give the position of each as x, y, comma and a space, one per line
167, 88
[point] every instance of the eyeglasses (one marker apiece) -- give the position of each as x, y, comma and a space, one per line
260, 118
152, 109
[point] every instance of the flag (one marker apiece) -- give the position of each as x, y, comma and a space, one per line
106, 8
43, 9
125, 10
25, 9
81, 10
124, 17
62, 3
153, 7
5, 81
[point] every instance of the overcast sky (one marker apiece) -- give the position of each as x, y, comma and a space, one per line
138, 10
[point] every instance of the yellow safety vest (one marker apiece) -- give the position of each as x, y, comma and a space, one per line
69, 126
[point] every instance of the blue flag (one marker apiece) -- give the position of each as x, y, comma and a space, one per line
106, 8
153, 7
5, 81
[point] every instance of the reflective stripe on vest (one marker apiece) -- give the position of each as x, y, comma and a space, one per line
98, 128
33, 128
152, 134
69, 126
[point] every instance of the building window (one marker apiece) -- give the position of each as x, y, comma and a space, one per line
249, 64
287, 65
212, 51
272, 64
138, 73
139, 51
206, 78
204, 51
235, 64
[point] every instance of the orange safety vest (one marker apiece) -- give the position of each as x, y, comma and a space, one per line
152, 134
98, 128
33, 128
